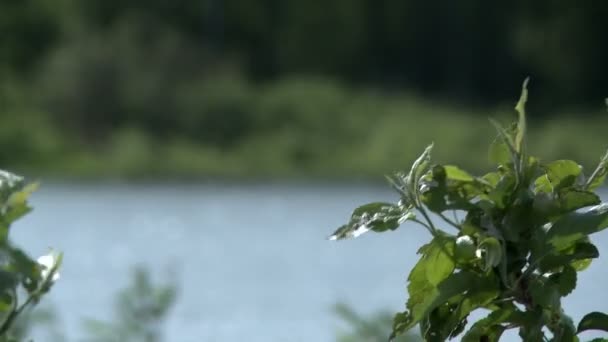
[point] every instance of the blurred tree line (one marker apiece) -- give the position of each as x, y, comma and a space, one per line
472, 49
215, 76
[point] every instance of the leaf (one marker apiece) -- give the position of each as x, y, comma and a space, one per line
479, 295
562, 173
437, 262
454, 173
440, 193
599, 175
566, 280
19, 198
544, 292
582, 250
490, 327
418, 169
424, 299
566, 330
498, 152
575, 226
577, 199
500, 194
581, 265
593, 321
521, 110
542, 184
491, 252
507, 140
378, 216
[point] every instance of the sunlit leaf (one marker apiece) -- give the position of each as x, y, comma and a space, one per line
566, 280
490, 250
599, 175
580, 251
593, 321
418, 169
455, 173
490, 328
521, 110
429, 297
575, 226
19, 198
378, 216
562, 173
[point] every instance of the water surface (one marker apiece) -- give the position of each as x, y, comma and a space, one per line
252, 260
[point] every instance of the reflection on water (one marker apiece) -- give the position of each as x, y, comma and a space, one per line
252, 260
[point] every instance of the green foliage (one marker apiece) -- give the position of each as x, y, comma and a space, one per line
523, 235
23, 280
232, 89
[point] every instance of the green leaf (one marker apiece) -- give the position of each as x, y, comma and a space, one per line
542, 184
566, 331
499, 153
491, 252
507, 140
593, 321
437, 263
424, 298
20, 198
580, 251
490, 328
7, 302
454, 173
532, 328
521, 110
566, 280
544, 292
378, 216
15, 213
576, 199
418, 169
562, 173
599, 175
574, 226
479, 295
500, 194
581, 265
440, 193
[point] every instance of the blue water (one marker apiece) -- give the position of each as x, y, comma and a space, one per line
252, 261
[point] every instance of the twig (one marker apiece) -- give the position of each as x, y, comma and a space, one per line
452, 223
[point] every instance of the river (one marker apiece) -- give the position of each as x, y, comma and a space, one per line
252, 261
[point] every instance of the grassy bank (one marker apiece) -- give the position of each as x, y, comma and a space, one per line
295, 128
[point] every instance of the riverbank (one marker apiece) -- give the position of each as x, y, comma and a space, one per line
291, 129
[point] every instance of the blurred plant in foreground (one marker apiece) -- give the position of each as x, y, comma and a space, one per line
375, 328
139, 312
20, 275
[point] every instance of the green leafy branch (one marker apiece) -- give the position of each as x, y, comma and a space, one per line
517, 249
20, 274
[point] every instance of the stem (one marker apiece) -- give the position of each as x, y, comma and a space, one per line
424, 224
11, 317
531, 268
428, 219
598, 169
450, 222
